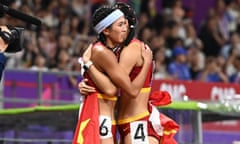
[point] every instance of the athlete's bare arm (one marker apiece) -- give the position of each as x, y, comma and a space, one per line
131, 57
107, 61
101, 80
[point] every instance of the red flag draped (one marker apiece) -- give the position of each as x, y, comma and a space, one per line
161, 98
170, 129
86, 131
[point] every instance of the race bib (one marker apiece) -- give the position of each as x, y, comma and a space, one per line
105, 127
139, 133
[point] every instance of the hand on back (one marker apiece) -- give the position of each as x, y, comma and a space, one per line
87, 54
146, 53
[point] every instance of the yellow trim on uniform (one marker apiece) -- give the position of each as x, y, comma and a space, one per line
114, 122
114, 98
133, 118
146, 89
168, 132
106, 97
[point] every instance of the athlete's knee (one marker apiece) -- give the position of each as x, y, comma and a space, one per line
153, 140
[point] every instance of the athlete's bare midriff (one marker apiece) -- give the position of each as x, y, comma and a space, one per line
129, 107
107, 108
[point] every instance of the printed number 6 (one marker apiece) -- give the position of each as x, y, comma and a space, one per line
103, 129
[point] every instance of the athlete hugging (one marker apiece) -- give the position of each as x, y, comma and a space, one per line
117, 86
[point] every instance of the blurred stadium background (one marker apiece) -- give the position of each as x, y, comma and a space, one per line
39, 99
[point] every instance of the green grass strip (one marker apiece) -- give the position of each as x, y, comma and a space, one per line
183, 105
177, 105
38, 108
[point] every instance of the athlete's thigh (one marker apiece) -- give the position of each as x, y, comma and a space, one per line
151, 140
105, 122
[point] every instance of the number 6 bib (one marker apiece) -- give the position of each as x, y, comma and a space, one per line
138, 132
105, 127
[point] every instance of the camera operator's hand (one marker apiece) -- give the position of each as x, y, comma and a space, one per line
3, 44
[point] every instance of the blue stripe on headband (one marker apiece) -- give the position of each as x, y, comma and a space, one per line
107, 21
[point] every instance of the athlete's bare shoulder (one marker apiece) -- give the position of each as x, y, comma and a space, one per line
135, 40
98, 47
134, 45
100, 53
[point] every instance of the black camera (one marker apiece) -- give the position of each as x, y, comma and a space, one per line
14, 39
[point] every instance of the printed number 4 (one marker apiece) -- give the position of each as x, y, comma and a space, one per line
139, 134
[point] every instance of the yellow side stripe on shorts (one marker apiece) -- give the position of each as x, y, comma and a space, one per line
168, 132
134, 118
110, 98
114, 122
146, 89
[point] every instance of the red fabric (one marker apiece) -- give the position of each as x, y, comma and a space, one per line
170, 129
114, 133
98, 1
89, 116
160, 98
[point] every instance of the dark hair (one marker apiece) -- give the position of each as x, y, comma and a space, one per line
99, 15
130, 15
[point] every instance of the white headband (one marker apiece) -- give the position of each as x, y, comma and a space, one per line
107, 21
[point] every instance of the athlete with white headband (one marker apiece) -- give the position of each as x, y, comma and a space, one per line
112, 28
107, 21
138, 119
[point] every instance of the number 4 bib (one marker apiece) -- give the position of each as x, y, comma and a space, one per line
139, 133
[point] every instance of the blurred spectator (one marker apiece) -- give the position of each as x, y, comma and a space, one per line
178, 68
233, 14
47, 41
196, 60
64, 42
66, 63
235, 77
160, 71
222, 18
212, 72
191, 37
230, 51
212, 39
234, 43
143, 21
145, 34
49, 17
178, 14
29, 54
63, 61
221, 63
149, 7
178, 11
157, 41
39, 64
80, 23
66, 25
170, 33
95, 4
